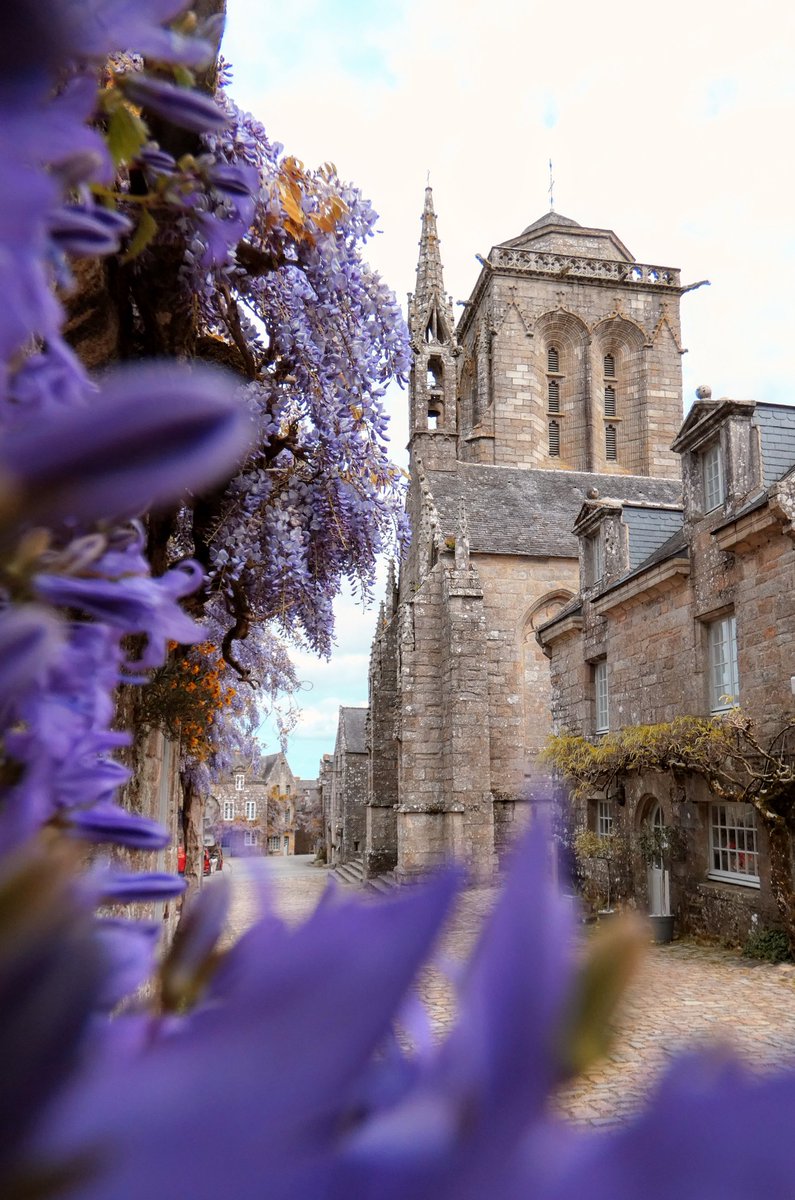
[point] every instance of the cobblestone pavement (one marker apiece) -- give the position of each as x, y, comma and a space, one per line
683, 994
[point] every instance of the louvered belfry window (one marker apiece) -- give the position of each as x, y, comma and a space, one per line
610, 366
610, 401
611, 445
553, 396
554, 439
553, 360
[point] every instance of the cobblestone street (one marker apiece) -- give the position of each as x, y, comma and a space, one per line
683, 995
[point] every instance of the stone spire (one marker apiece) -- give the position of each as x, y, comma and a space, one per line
432, 391
430, 281
430, 310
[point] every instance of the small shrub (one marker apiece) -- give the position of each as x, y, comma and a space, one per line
768, 945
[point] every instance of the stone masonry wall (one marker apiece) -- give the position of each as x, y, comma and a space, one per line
519, 593
585, 321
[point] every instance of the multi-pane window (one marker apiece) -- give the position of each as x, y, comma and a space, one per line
274, 843
604, 818
250, 837
251, 810
554, 439
734, 853
240, 780
714, 489
724, 684
229, 810
601, 699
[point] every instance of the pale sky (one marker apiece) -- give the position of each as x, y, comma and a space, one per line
671, 124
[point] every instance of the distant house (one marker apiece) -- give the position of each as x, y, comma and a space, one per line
308, 816
256, 807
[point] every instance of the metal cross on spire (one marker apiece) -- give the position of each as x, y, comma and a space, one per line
551, 188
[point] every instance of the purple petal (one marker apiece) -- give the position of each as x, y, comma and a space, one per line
129, 949
31, 639
109, 823
127, 887
86, 232
153, 432
180, 106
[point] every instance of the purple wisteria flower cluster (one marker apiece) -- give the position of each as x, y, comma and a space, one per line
82, 459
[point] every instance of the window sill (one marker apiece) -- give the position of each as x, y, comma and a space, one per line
735, 880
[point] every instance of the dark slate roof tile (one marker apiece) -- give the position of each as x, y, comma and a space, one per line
511, 510
353, 723
777, 426
649, 528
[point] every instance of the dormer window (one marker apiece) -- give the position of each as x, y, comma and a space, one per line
554, 439
553, 396
611, 443
714, 484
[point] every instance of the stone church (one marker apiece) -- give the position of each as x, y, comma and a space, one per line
562, 374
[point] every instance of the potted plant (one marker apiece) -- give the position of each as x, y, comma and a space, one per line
659, 844
591, 848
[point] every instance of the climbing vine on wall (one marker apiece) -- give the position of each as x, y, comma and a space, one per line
740, 759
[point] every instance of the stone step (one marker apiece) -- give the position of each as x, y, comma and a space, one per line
350, 873
386, 884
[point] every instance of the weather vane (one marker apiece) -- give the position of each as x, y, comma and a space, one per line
551, 187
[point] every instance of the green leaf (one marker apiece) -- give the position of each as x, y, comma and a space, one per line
147, 228
126, 134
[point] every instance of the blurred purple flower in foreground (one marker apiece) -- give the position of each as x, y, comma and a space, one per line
286, 1080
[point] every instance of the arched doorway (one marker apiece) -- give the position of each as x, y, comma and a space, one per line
658, 881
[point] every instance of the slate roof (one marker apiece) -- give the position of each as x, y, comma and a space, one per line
777, 426
551, 218
649, 528
512, 510
352, 721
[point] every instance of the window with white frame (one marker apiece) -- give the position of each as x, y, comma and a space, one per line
250, 837
274, 844
714, 489
734, 853
240, 781
724, 684
604, 818
601, 698
251, 810
229, 810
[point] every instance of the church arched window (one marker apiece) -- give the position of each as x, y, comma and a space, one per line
610, 401
553, 395
610, 366
553, 360
611, 443
554, 439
